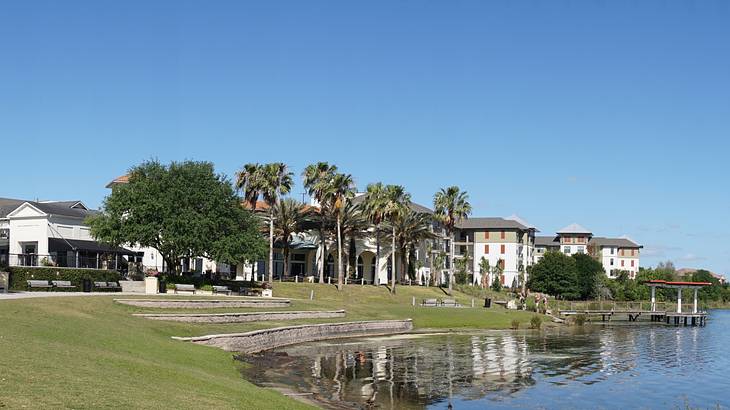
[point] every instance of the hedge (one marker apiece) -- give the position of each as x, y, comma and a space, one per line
19, 275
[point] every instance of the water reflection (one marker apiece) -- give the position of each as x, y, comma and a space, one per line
592, 367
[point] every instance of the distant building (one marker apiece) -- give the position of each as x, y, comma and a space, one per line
688, 272
615, 254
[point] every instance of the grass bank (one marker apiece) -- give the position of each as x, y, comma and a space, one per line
88, 352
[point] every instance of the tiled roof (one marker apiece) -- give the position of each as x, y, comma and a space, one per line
617, 242
546, 241
490, 223
124, 179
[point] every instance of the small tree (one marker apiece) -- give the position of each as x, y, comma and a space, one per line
496, 284
555, 274
588, 271
484, 271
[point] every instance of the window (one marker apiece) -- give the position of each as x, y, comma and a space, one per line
566, 240
580, 249
611, 263
622, 263
501, 249
502, 234
632, 264
612, 251
486, 235
486, 248
566, 249
632, 252
581, 239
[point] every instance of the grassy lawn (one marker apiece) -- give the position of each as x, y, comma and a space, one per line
88, 352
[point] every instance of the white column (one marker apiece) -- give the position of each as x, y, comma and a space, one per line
679, 300
653, 298
694, 308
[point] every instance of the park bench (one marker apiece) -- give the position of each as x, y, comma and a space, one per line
450, 303
179, 287
39, 284
63, 284
249, 292
107, 285
221, 289
430, 302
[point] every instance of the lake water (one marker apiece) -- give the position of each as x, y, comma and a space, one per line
630, 366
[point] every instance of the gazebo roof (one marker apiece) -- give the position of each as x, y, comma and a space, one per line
667, 284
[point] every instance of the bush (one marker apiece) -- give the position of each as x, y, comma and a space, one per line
496, 285
19, 275
515, 324
531, 305
536, 322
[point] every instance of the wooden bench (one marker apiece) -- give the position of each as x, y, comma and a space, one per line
179, 287
114, 285
39, 284
221, 289
450, 303
430, 302
63, 284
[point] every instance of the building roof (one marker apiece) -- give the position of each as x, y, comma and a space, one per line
617, 242
64, 208
546, 241
573, 228
689, 271
490, 223
515, 217
124, 179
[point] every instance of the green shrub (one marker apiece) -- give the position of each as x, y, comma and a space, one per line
531, 305
496, 285
580, 320
19, 275
515, 324
536, 322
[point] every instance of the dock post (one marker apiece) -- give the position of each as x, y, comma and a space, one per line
653, 299
679, 300
694, 305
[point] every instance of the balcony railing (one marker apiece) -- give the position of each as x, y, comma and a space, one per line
61, 261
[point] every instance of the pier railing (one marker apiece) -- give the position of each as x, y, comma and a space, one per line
614, 306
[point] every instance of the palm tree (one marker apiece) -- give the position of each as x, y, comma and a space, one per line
316, 180
410, 229
354, 225
269, 181
397, 203
289, 216
451, 205
374, 208
338, 192
249, 180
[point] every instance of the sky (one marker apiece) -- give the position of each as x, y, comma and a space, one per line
611, 114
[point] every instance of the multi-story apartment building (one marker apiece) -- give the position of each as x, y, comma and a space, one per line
507, 243
615, 254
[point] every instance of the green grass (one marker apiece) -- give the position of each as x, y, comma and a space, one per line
88, 352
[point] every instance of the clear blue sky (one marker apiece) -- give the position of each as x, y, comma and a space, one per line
611, 114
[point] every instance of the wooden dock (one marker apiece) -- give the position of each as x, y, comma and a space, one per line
633, 311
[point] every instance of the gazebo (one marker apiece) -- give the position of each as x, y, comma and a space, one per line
695, 286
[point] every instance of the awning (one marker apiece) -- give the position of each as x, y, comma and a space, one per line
58, 244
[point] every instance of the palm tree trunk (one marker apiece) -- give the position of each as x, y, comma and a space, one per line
393, 263
408, 262
376, 277
286, 261
339, 254
323, 256
271, 246
451, 265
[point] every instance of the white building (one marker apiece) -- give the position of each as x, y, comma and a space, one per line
53, 233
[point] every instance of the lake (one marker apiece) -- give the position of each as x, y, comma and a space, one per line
618, 366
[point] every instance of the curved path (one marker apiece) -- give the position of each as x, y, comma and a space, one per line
241, 317
206, 303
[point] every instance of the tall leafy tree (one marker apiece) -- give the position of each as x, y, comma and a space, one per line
183, 210
374, 207
269, 181
588, 271
289, 218
397, 204
317, 179
339, 191
451, 205
555, 274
